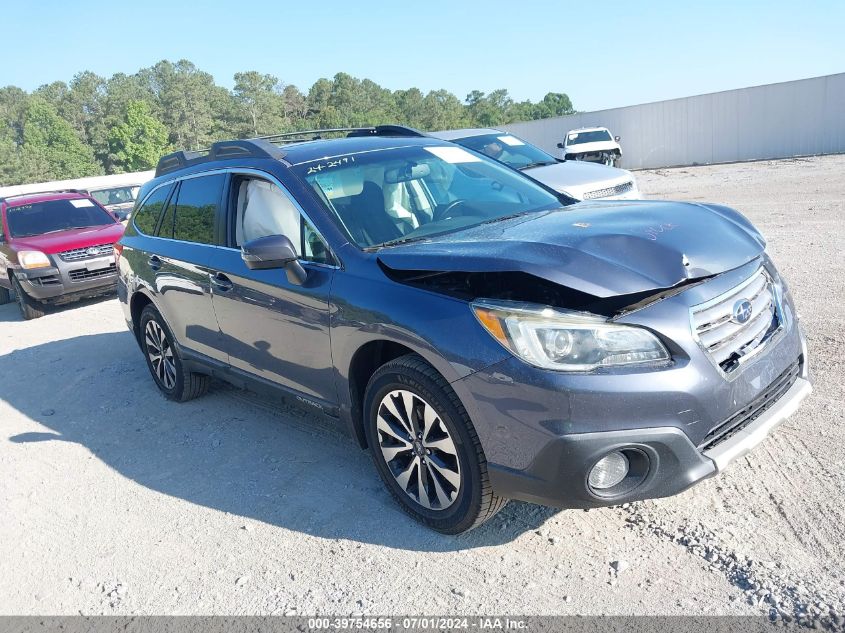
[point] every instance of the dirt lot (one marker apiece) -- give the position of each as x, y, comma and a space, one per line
117, 501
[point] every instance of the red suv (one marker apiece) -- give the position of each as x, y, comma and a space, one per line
55, 248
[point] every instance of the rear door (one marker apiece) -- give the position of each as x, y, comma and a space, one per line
187, 238
272, 328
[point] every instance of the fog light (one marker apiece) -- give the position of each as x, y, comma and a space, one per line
608, 471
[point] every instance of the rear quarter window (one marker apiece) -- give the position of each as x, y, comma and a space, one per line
146, 218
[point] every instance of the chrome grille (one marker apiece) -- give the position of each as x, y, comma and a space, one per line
608, 192
89, 252
724, 337
83, 274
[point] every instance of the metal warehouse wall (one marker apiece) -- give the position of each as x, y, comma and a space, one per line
793, 118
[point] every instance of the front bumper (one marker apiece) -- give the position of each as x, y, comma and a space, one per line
543, 431
70, 281
755, 432
558, 476
595, 156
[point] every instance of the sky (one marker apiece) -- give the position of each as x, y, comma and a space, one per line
602, 54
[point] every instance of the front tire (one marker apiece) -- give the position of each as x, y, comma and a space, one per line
29, 307
165, 363
425, 447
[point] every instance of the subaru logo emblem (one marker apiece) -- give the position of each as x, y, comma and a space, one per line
742, 311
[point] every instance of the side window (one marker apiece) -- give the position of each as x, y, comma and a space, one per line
196, 208
314, 249
146, 218
263, 209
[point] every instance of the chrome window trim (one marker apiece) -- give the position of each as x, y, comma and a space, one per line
242, 171
776, 335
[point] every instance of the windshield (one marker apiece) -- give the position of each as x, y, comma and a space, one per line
115, 195
593, 136
508, 149
52, 216
395, 195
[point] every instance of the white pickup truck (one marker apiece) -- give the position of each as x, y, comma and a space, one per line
593, 144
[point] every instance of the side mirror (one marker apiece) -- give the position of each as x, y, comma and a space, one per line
560, 145
274, 251
617, 138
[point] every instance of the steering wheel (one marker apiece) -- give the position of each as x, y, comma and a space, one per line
442, 214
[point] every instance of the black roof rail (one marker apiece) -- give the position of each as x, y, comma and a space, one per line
314, 135
267, 146
221, 150
38, 193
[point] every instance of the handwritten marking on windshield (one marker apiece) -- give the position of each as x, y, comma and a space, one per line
653, 231
316, 169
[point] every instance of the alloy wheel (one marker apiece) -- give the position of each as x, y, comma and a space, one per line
160, 353
418, 449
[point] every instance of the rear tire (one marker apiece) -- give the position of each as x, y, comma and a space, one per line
425, 447
164, 361
30, 308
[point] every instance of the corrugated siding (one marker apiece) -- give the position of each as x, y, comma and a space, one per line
794, 118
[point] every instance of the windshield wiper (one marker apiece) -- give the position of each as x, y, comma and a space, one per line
54, 231
539, 163
507, 217
397, 242
417, 238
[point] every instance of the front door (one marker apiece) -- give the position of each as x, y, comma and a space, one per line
272, 328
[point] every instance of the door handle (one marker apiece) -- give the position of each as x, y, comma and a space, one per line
221, 282
154, 262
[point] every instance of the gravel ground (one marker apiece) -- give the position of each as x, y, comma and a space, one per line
117, 501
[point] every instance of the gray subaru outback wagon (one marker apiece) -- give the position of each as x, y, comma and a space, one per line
484, 337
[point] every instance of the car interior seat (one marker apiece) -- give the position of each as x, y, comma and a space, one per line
369, 214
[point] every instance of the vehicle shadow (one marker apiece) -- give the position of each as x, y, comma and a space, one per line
231, 450
11, 311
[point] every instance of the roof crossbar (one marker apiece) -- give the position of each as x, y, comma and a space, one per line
317, 134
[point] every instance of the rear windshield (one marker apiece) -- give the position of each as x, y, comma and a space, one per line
115, 195
507, 149
595, 136
53, 216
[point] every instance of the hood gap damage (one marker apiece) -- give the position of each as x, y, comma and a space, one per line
521, 286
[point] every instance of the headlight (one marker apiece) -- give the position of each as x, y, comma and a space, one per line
33, 259
566, 341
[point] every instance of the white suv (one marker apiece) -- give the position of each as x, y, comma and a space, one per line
593, 144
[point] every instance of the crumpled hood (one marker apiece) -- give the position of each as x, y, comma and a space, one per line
602, 248
576, 177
